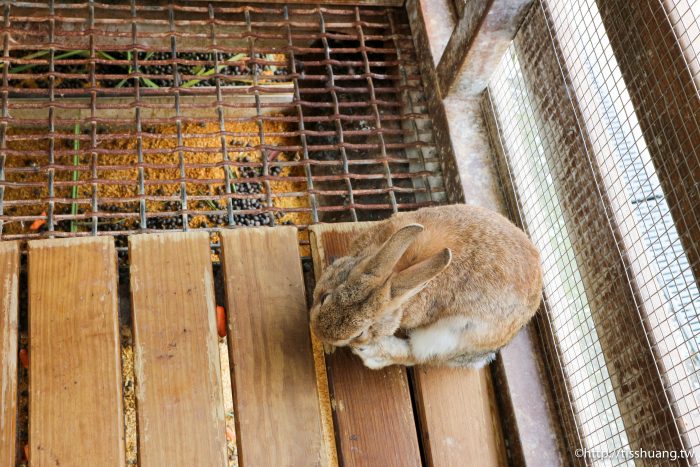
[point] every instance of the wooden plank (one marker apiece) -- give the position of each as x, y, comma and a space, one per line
76, 415
459, 418
372, 408
176, 356
275, 396
9, 272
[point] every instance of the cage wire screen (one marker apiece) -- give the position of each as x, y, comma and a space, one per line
134, 116
591, 192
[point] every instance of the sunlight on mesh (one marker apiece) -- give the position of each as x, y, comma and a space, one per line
670, 297
570, 317
587, 191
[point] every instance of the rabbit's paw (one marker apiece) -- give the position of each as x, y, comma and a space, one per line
372, 356
377, 363
386, 351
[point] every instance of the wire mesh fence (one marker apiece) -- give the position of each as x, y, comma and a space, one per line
134, 116
670, 298
588, 192
589, 390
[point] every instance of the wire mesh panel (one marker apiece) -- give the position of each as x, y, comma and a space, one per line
621, 297
670, 300
567, 305
146, 116
684, 15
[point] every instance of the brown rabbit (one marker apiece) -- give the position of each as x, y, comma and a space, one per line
457, 283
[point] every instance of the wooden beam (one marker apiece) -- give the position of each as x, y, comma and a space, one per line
176, 353
478, 43
276, 403
461, 40
372, 408
459, 7
9, 277
76, 415
439, 22
441, 128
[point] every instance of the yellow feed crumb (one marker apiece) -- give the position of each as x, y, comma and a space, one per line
161, 173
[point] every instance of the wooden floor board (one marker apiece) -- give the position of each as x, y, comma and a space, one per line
373, 412
459, 418
275, 396
9, 276
76, 415
176, 356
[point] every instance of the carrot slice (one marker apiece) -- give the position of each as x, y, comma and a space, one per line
221, 321
24, 358
36, 225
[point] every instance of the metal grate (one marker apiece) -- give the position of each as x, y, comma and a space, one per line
588, 191
133, 116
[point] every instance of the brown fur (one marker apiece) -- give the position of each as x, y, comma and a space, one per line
494, 278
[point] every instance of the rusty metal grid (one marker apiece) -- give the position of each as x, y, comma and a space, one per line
127, 117
586, 187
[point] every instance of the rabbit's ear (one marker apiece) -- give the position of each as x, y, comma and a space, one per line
393, 249
411, 280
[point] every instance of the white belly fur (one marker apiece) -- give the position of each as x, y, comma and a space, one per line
444, 337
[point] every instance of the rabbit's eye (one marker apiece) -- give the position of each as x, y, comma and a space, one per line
361, 334
324, 297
